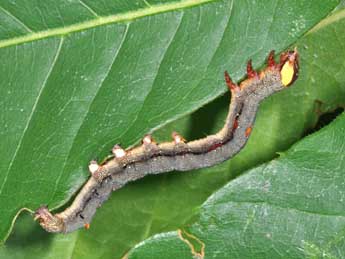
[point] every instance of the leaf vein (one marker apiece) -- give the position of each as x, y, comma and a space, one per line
101, 84
88, 8
153, 81
317, 213
16, 19
187, 95
32, 112
103, 20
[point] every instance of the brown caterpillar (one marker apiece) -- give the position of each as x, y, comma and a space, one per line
152, 158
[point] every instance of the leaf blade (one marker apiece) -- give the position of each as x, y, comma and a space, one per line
46, 175
291, 207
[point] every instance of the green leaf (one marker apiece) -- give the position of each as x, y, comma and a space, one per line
76, 85
292, 207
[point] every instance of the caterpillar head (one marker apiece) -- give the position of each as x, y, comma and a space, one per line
288, 66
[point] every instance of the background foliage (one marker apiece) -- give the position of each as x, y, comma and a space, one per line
79, 76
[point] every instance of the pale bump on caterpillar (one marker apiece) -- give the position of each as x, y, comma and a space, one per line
153, 158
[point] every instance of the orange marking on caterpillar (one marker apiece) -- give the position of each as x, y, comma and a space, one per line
270, 60
215, 146
248, 131
251, 73
231, 85
87, 226
235, 125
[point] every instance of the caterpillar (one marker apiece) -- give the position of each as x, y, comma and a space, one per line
153, 158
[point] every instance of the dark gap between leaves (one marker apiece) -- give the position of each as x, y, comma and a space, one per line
325, 119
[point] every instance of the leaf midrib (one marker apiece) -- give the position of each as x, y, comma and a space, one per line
102, 20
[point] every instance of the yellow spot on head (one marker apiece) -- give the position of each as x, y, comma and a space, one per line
289, 67
287, 73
